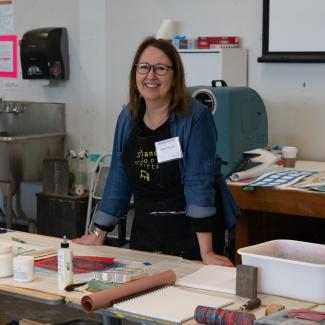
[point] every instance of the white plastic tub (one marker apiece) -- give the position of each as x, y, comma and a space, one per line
288, 268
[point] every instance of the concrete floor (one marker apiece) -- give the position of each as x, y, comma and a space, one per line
14, 309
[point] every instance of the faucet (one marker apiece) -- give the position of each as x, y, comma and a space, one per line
10, 107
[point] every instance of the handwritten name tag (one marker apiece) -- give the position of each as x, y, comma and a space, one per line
169, 149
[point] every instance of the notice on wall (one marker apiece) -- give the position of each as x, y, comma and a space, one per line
8, 56
6, 17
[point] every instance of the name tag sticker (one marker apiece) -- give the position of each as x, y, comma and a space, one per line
168, 150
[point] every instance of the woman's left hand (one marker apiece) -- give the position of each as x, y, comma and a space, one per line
207, 254
212, 258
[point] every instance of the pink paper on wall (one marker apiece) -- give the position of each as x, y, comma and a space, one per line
8, 56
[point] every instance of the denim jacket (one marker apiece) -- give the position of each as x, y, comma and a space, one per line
199, 167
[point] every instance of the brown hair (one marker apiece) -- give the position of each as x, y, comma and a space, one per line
180, 100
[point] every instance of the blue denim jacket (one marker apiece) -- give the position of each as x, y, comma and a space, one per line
200, 168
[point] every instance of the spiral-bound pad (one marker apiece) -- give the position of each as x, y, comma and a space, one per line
170, 304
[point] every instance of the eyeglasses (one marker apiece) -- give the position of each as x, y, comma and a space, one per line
159, 69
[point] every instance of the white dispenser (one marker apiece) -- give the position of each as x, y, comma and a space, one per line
64, 265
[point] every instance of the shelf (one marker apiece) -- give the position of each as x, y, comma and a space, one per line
208, 50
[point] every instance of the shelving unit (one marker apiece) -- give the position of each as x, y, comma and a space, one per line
202, 66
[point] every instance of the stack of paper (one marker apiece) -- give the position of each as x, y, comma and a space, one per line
315, 182
280, 179
211, 277
38, 252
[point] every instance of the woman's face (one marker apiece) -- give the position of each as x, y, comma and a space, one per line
153, 87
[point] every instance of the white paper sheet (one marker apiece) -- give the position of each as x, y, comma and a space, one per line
211, 277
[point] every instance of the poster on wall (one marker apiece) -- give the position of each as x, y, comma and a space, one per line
8, 56
6, 17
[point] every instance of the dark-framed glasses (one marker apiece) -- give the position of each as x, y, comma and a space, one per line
158, 69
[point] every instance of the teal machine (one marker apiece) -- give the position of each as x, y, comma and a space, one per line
240, 117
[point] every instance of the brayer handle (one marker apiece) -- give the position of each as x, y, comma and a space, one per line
251, 304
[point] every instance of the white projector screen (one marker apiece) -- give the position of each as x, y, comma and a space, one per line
293, 31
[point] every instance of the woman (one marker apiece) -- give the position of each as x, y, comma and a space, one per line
164, 154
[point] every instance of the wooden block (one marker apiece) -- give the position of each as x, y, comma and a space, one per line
246, 281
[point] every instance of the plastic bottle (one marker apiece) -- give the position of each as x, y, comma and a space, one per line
92, 160
81, 180
64, 264
73, 162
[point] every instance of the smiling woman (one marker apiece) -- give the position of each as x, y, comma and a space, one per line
165, 155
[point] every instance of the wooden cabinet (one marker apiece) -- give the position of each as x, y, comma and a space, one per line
202, 66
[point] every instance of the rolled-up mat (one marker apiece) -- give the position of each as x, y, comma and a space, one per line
106, 298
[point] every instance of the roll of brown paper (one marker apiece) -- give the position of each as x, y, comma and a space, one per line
106, 297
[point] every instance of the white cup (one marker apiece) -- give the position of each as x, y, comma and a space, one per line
289, 155
6, 256
23, 268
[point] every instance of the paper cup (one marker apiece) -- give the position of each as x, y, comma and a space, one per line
289, 155
23, 268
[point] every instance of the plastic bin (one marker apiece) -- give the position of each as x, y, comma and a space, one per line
288, 268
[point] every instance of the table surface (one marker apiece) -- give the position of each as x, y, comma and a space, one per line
45, 288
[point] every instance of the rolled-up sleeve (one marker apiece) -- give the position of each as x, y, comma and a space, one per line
199, 166
117, 191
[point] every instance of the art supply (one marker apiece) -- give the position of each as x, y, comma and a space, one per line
64, 264
246, 281
251, 304
38, 252
312, 315
273, 308
219, 316
280, 179
106, 297
211, 277
23, 268
289, 155
170, 304
18, 240
81, 264
120, 275
293, 317
72, 287
6, 258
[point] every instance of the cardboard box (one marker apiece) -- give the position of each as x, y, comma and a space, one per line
207, 42
184, 43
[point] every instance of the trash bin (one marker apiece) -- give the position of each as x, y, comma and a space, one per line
59, 215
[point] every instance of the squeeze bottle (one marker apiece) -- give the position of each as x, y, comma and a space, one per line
64, 264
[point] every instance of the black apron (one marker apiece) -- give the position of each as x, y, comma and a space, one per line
160, 224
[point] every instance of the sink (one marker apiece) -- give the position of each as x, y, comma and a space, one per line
29, 133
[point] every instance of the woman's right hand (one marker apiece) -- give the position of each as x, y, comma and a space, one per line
91, 239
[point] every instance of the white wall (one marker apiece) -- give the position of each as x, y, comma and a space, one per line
103, 36
293, 93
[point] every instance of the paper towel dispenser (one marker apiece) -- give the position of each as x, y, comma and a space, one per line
241, 120
44, 54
